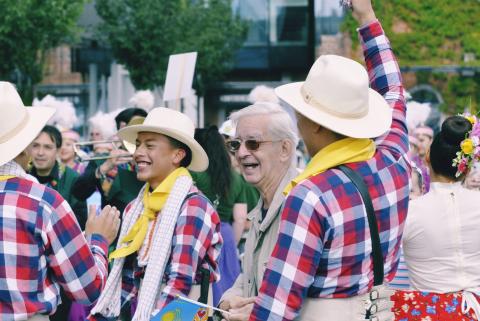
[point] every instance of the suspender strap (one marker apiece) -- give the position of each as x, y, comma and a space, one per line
372, 223
204, 286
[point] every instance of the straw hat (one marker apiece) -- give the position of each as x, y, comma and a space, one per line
170, 123
336, 95
19, 125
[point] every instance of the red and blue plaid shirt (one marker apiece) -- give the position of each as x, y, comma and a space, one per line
42, 249
196, 244
324, 248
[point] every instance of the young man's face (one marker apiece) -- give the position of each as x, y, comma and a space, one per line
44, 152
155, 157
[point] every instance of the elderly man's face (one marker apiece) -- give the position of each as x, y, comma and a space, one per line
260, 167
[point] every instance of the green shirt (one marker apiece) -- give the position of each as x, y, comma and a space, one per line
240, 192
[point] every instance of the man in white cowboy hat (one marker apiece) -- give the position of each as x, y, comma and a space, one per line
328, 257
170, 233
42, 248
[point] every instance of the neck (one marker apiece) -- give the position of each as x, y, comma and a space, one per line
154, 182
326, 138
69, 162
268, 189
44, 172
436, 178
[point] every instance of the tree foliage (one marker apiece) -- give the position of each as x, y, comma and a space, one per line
27, 30
429, 32
434, 33
142, 35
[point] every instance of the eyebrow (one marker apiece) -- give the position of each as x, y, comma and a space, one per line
148, 140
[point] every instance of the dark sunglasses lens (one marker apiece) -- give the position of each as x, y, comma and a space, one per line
252, 144
233, 145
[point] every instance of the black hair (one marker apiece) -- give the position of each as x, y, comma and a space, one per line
446, 144
185, 162
54, 135
127, 114
219, 168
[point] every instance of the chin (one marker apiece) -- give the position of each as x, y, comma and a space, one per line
142, 177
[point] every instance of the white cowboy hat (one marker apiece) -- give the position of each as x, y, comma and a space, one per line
170, 123
336, 95
19, 125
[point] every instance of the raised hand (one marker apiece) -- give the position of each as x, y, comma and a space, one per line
363, 11
106, 223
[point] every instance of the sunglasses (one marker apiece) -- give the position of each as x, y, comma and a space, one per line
250, 144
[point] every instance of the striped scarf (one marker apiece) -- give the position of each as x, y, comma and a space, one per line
108, 304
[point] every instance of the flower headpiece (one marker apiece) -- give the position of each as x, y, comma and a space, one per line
470, 147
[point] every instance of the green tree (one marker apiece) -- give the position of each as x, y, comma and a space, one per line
434, 33
142, 35
28, 29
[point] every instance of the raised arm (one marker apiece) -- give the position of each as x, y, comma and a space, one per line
385, 76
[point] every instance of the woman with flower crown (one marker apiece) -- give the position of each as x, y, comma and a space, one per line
441, 241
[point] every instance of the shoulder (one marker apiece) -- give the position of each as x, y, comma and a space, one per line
35, 195
197, 205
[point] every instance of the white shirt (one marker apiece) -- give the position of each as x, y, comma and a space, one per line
441, 241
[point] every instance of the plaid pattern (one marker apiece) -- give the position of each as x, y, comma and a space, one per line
196, 243
42, 249
324, 248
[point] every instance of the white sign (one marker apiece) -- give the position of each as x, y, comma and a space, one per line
178, 83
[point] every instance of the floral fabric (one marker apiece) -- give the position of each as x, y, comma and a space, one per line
425, 306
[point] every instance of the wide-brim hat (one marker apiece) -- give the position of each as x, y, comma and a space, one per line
170, 123
336, 95
19, 125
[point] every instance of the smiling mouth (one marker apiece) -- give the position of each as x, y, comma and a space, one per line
250, 165
143, 164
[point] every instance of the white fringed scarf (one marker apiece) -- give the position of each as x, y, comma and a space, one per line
108, 304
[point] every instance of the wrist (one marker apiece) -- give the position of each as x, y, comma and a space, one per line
99, 173
366, 19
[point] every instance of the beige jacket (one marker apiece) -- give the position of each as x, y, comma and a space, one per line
261, 239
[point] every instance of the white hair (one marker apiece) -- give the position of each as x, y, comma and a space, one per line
143, 99
280, 125
105, 123
263, 93
65, 117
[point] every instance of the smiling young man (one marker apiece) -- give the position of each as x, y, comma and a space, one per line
170, 237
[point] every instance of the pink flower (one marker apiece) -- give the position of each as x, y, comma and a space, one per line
476, 130
462, 166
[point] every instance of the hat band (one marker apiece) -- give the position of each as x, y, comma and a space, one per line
10, 134
309, 99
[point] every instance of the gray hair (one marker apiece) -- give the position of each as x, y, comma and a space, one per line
281, 125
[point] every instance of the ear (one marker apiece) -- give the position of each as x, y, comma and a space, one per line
178, 156
287, 150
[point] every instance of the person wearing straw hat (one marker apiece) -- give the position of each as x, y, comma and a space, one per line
41, 244
343, 217
170, 235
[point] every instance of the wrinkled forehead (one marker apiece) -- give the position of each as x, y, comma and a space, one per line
253, 127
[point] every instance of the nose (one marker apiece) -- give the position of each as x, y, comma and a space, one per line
242, 152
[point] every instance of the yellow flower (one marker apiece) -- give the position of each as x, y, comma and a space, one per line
471, 119
467, 146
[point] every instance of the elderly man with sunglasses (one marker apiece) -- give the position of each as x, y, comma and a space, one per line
264, 147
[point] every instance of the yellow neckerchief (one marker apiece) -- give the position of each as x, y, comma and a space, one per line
152, 204
347, 150
5, 177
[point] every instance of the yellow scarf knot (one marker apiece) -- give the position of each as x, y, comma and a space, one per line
152, 204
347, 150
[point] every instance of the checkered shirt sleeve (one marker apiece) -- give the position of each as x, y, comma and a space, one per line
324, 248
42, 249
196, 243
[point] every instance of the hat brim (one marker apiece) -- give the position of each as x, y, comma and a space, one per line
375, 123
37, 119
199, 161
